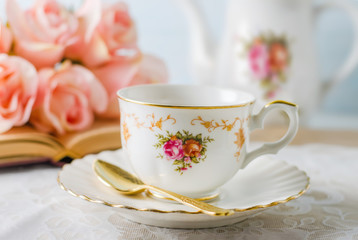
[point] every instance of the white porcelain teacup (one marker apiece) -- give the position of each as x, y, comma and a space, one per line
192, 139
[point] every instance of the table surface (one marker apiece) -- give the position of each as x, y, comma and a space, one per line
306, 135
33, 206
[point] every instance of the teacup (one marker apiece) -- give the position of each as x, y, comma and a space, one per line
192, 139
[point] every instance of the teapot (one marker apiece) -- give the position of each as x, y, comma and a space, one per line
267, 49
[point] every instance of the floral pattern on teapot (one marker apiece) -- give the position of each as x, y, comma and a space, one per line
269, 59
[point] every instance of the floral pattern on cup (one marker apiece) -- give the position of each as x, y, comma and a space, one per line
182, 148
269, 58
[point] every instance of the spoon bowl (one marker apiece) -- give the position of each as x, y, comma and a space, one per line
118, 178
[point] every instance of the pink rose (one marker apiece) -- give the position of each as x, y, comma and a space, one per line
259, 60
68, 98
115, 75
151, 70
115, 36
120, 73
117, 28
18, 89
5, 39
173, 149
42, 32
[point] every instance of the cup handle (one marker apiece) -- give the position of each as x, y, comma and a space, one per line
257, 122
352, 60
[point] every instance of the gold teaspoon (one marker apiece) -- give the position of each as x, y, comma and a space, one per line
126, 183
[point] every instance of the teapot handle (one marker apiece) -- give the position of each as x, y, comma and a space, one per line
352, 60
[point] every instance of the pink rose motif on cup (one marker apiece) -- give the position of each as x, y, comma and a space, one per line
183, 148
18, 90
269, 58
67, 99
173, 149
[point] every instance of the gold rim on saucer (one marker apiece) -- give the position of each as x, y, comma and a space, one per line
162, 197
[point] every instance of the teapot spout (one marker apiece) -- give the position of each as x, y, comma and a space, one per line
202, 47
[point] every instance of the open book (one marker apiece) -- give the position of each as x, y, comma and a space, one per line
24, 145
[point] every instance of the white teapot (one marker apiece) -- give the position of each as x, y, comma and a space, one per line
267, 49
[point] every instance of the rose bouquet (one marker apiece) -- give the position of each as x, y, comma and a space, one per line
60, 69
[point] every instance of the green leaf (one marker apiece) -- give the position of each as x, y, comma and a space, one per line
158, 145
177, 162
194, 160
179, 135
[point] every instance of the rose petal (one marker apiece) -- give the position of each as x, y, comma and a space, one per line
116, 75
17, 20
151, 70
96, 53
5, 39
98, 96
41, 55
89, 15
18, 87
5, 125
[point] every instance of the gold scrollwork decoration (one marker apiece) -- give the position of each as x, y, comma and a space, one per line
212, 125
158, 123
240, 138
151, 124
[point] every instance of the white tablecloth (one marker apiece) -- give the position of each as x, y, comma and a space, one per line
33, 206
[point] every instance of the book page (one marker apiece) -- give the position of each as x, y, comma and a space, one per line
103, 135
25, 144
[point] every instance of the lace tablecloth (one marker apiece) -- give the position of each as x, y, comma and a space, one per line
33, 206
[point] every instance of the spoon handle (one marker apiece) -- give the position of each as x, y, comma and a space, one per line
202, 206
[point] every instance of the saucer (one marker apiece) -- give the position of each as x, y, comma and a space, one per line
264, 183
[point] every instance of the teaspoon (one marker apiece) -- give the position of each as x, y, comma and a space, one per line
126, 183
